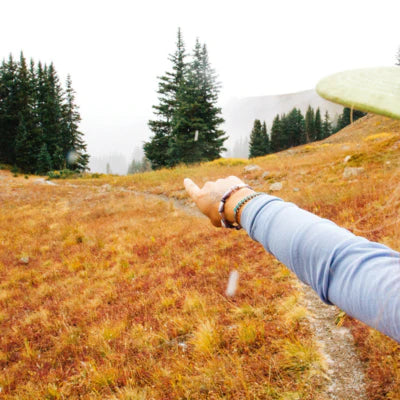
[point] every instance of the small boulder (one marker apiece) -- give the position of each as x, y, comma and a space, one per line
296, 190
276, 186
350, 172
24, 260
265, 175
252, 167
347, 159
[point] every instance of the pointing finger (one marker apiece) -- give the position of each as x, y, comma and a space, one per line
191, 188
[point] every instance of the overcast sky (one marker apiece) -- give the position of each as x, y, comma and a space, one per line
114, 50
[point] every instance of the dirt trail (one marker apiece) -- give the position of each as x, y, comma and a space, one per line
343, 367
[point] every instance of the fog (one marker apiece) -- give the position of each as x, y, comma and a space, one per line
114, 50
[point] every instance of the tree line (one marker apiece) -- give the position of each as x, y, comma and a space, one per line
186, 124
38, 119
294, 129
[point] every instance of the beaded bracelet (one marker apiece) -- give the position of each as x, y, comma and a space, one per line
224, 222
242, 203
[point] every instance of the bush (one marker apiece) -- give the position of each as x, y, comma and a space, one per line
63, 174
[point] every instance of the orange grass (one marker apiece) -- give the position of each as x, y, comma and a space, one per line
123, 296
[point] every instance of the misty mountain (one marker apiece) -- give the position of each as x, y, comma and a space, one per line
240, 114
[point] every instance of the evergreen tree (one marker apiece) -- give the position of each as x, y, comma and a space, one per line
346, 117
9, 114
326, 126
161, 150
52, 117
276, 134
73, 148
28, 139
257, 141
310, 125
34, 113
318, 125
214, 137
265, 136
44, 160
187, 125
398, 58
139, 166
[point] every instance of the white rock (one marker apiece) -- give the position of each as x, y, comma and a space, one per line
265, 175
350, 172
346, 159
24, 260
276, 186
252, 167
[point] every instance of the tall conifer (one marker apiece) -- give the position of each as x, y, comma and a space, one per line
318, 125
276, 134
326, 126
256, 144
9, 115
186, 128
310, 125
161, 150
72, 145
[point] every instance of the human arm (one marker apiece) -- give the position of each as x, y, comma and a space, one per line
359, 276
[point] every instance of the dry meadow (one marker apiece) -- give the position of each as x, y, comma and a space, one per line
111, 289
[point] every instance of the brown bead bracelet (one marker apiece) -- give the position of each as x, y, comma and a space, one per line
224, 222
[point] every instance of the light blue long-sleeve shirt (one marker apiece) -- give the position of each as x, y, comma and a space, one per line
359, 276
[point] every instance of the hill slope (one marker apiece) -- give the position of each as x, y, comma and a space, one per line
110, 293
240, 114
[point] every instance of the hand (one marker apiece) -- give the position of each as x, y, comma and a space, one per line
209, 197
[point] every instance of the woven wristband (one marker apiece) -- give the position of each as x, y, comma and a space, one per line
242, 203
224, 222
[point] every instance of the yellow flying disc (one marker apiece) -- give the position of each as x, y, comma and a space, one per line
375, 90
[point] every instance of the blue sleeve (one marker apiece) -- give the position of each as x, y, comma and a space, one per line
359, 276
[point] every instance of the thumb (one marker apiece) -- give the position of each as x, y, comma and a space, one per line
191, 188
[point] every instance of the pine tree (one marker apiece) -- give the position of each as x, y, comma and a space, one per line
326, 126
73, 147
187, 128
346, 118
257, 141
28, 139
276, 134
214, 137
310, 125
161, 150
398, 58
52, 117
265, 136
318, 125
44, 164
9, 114
34, 113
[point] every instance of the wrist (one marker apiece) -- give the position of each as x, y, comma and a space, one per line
233, 200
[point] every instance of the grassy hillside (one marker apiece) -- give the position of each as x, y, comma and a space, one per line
109, 293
